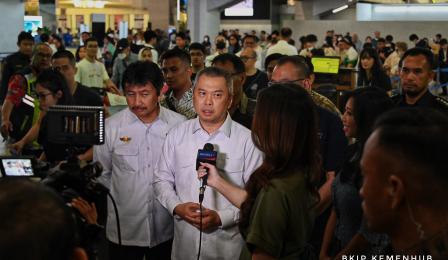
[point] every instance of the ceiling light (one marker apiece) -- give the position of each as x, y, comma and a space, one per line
340, 9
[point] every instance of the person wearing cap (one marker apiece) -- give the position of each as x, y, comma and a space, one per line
348, 54
123, 58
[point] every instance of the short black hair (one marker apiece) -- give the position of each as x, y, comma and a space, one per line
311, 38
381, 40
238, 64
413, 37
149, 35
389, 38
272, 57
181, 35
197, 46
35, 222
24, 36
177, 53
216, 73
419, 135
429, 56
44, 37
286, 32
91, 39
65, 54
141, 73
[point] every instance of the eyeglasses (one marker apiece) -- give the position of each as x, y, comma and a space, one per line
270, 83
42, 96
245, 58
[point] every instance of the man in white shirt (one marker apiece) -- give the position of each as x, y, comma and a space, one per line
92, 73
348, 54
177, 186
282, 46
151, 41
251, 41
134, 139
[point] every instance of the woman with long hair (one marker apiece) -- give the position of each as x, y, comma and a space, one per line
277, 203
81, 53
371, 73
234, 44
345, 233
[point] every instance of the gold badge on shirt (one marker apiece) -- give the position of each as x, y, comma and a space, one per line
125, 139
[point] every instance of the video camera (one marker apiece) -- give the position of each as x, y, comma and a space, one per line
73, 126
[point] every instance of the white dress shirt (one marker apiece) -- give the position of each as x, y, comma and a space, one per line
282, 47
176, 182
260, 57
129, 156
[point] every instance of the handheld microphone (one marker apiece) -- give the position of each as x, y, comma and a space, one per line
206, 155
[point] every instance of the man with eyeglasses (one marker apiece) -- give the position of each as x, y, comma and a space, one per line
21, 107
256, 79
251, 41
296, 70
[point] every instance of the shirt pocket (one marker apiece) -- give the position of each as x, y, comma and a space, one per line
232, 168
126, 158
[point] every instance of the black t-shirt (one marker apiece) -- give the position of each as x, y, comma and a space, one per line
333, 145
85, 96
255, 83
427, 100
244, 119
193, 77
332, 139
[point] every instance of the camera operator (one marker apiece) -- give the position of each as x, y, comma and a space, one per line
36, 224
65, 63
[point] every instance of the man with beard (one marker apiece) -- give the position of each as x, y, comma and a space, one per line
415, 75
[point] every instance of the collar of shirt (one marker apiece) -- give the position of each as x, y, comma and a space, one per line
188, 95
225, 128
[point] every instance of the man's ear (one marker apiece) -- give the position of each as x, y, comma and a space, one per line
311, 79
395, 191
79, 254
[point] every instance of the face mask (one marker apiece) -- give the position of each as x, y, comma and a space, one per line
121, 56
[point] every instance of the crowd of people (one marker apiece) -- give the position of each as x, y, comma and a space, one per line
295, 176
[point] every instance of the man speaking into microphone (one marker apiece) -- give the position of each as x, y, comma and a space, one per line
176, 184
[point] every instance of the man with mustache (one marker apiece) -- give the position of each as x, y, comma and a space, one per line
134, 139
415, 74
